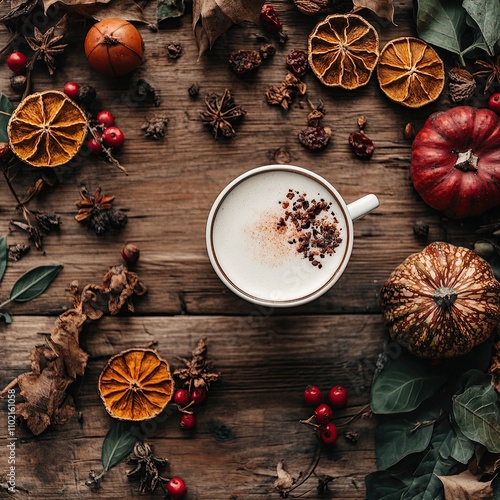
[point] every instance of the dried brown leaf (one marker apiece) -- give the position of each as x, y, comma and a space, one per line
383, 8
212, 18
465, 486
285, 480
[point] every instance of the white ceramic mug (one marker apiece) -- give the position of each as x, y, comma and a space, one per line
257, 255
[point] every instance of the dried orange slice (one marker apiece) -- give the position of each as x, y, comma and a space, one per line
47, 129
410, 72
135, 384
343, 51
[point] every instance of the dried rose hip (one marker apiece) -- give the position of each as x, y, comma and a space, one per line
269, 19
361, 145
244, 60
296, 61
314, 138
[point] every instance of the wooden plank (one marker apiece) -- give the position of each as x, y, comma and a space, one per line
250, 420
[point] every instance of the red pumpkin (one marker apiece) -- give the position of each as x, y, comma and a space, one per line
455, 161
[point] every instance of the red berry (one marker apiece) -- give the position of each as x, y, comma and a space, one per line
181, 397
113, 137
312, 395
323, 414
17, 62
337, 396
269, 19
198, 395
71, 90
5, 151
176, 487
94, 146
328, 433
494, 102
105, 118
188, 421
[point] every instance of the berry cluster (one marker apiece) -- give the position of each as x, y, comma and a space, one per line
185, 401
105, 132
323, 413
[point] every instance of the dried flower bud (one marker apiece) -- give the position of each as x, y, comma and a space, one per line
267, 50
242, 61
409, 131
18, 83
174, 50
130, 253
194, 90
421, 228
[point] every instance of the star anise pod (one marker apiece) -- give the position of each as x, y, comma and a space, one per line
90, 204
46, 45
221, 111
197, 371
491, 70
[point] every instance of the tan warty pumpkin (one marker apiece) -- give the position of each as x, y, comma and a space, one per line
442, 301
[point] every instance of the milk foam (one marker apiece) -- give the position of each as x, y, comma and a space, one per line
251, 252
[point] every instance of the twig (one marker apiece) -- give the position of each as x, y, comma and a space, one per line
356, 415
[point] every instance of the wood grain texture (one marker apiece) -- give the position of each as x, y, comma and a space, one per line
266, 356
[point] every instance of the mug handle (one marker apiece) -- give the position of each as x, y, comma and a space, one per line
361, 207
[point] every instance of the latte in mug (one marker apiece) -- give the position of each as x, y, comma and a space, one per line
280, 235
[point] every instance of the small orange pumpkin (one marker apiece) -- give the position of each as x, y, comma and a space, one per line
441, 302
114, 47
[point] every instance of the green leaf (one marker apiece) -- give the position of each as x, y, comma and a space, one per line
472, 378
6, 317
441, 23
6, 109
33, 283
397, 439
118, 443
403, 385
383, 485
425, 484
3, 256
486, 14
167, 9
477, 414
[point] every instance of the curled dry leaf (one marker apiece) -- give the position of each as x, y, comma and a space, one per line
285, 480
383, 8
465, 486
55, 365
198, 371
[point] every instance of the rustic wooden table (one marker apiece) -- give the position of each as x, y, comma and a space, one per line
266, 357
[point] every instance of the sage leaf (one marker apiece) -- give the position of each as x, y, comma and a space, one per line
486, 14
33, 283
3, 256
441, 23
167, 9
477, 414
6, 109
383, 485
118, 443
396, 439
403, 385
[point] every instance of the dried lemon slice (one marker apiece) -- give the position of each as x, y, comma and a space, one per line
47, 129
135, 384
410, 72
343, 51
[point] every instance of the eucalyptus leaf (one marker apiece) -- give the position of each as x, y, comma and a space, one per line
167, 9
399, 438
486, 14
118, 443
3, 256
383, 485
6, 109
403, 385
477, 413
441, 23
33, 283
